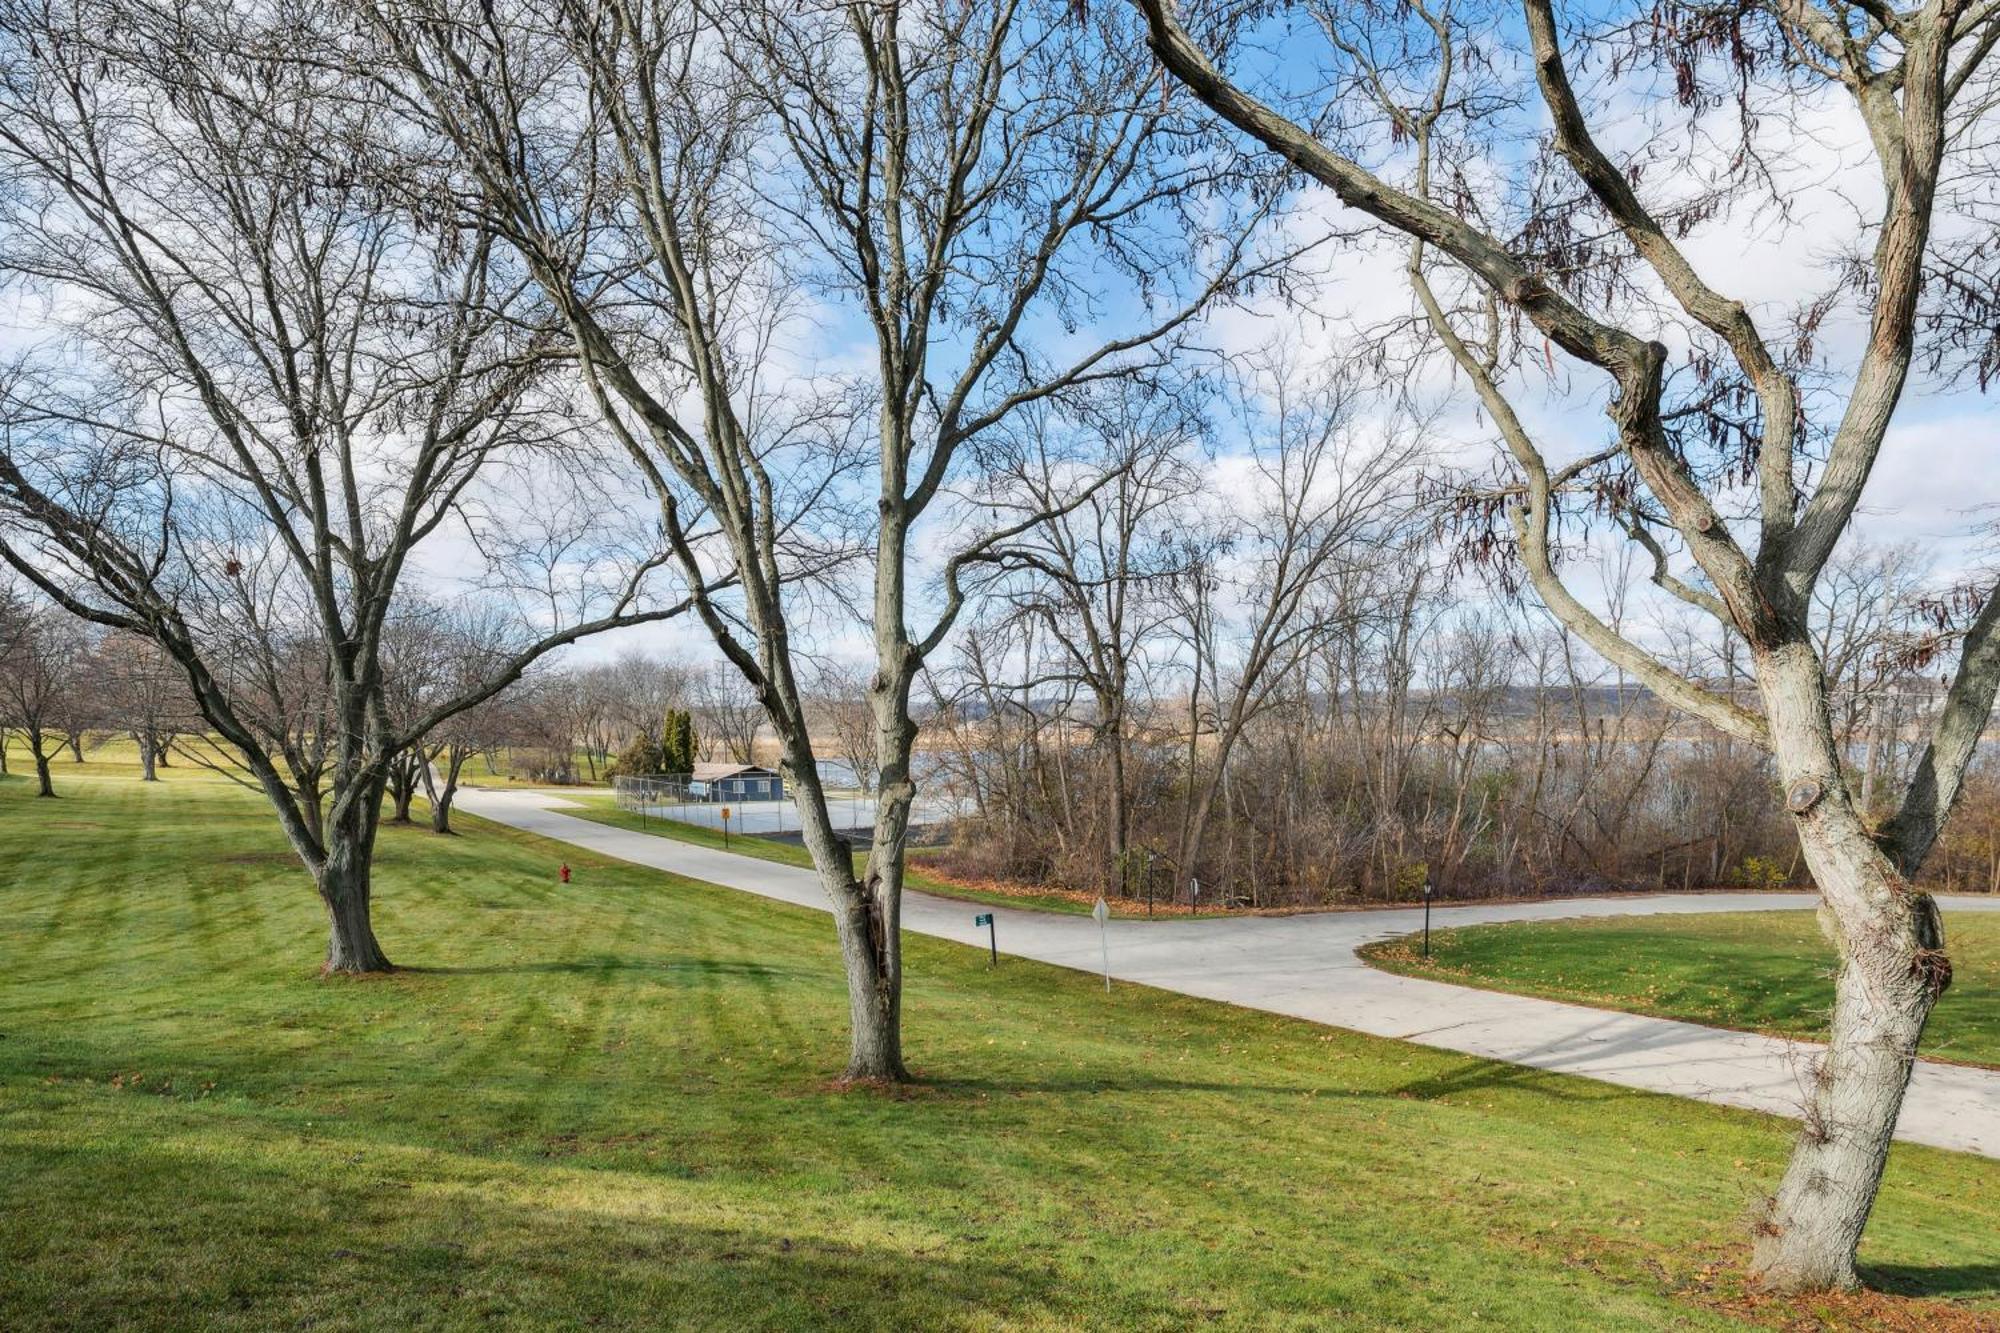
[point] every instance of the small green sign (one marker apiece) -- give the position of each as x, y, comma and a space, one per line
983, 919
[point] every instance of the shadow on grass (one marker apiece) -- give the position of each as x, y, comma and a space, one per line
1481, 1075
701, 967
1473, 1075
1081, 1083
1978, 1280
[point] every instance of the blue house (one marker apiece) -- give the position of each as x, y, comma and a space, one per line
734, 782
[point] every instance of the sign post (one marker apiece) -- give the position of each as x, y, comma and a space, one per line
725, 828
1194, 896
1427, 918
992, 940
1103, 914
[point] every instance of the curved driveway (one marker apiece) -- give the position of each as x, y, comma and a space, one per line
1305, 967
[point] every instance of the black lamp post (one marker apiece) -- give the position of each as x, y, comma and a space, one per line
1427, 918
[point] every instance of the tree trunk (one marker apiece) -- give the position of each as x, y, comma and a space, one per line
441, 797
867, 917
1121, 819
148, 758
1892, 969
402, 788
1194, 823
870, 946
44, 785
1891, 972
876, 993
344, 887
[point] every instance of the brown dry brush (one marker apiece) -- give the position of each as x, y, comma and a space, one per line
1309, 822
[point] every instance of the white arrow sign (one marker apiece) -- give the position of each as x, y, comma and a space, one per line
1103, 914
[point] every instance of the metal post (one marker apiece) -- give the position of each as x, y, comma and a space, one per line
1102, 913
1427, 918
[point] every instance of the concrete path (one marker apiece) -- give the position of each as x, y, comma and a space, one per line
1306, 967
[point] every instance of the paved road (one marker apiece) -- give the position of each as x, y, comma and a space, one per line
1306, 967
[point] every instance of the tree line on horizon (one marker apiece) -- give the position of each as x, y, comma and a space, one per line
1411, 740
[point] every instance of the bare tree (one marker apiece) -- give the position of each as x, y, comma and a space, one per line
85, 705
146, 695
592, 712
13, 631
952, 178
1866, 611
470, 645
1320, 498
1582, 245
452, 745
840, 705
264, 391
727, 714
643, 687
1098, 571
42, 649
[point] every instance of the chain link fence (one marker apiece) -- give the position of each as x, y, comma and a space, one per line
668, 797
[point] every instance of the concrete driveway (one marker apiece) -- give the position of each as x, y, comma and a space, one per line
1306, 967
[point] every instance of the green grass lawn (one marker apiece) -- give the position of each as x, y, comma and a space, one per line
607, 1104
1764, 971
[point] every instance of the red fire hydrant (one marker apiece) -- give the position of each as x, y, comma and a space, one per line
564, 872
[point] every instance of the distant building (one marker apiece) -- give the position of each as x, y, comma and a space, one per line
734, 782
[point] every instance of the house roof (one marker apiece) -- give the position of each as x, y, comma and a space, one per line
717, 772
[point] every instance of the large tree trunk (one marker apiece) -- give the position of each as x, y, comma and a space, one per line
1892, 969
148, 758
344, 888
867, 919
871, 949
876, 993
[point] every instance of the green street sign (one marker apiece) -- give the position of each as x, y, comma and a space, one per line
983, 919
